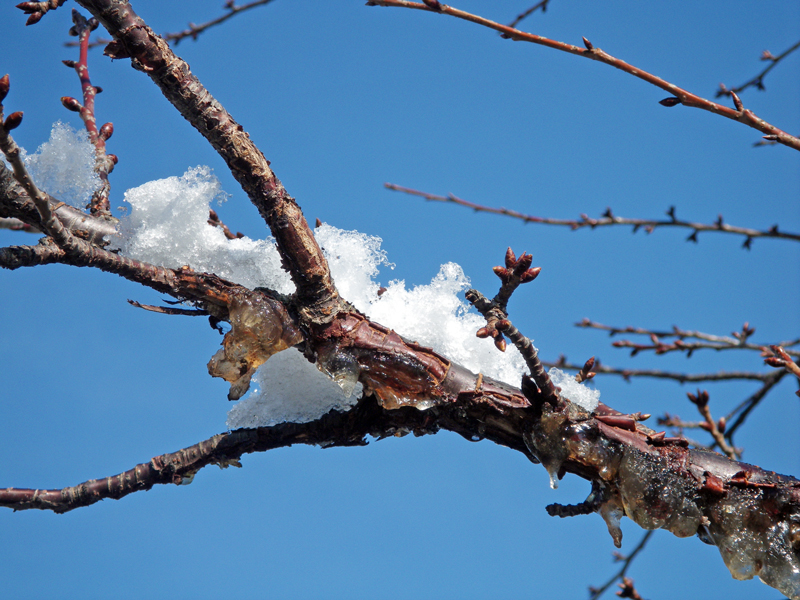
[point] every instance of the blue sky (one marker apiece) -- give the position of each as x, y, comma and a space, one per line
342, 98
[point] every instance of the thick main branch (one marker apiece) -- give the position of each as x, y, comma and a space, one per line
300, 253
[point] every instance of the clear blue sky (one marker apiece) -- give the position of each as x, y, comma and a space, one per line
342, 98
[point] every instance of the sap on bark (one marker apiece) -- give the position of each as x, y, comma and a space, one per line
260, 327
341, 366
398, 372
565, 433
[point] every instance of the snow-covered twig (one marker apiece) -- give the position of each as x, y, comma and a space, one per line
318, 299
50, 223
609, 219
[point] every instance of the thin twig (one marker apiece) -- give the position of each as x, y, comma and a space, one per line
758, 80
680, 377
194, 30
597, 592
523, 15
679, 95
708, 341
516, 272
746, 407
104, 163
215, 221
37, 10
716, 429
15, 224
608, 219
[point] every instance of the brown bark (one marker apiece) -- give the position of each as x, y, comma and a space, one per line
318, 300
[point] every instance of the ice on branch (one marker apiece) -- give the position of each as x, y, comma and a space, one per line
168, 226
433, 315
289, 388
64, 166
573, 391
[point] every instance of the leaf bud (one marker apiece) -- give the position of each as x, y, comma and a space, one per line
71, 103
106, 131
5, 85
13, 120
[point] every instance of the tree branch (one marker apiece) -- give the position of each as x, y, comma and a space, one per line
526, 13
608, 219
626, 563
195, 30
679, 95
104, 163
758, 80
318, 300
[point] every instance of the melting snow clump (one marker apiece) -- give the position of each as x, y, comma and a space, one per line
289, 388
64, 166
573, 391
168, 226
434, 315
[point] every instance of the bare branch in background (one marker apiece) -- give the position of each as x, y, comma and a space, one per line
608, 219
679, 95
708, 341
757, 81
192, 31
776, 356
680, 377
195, 30
626, 563
525, 14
